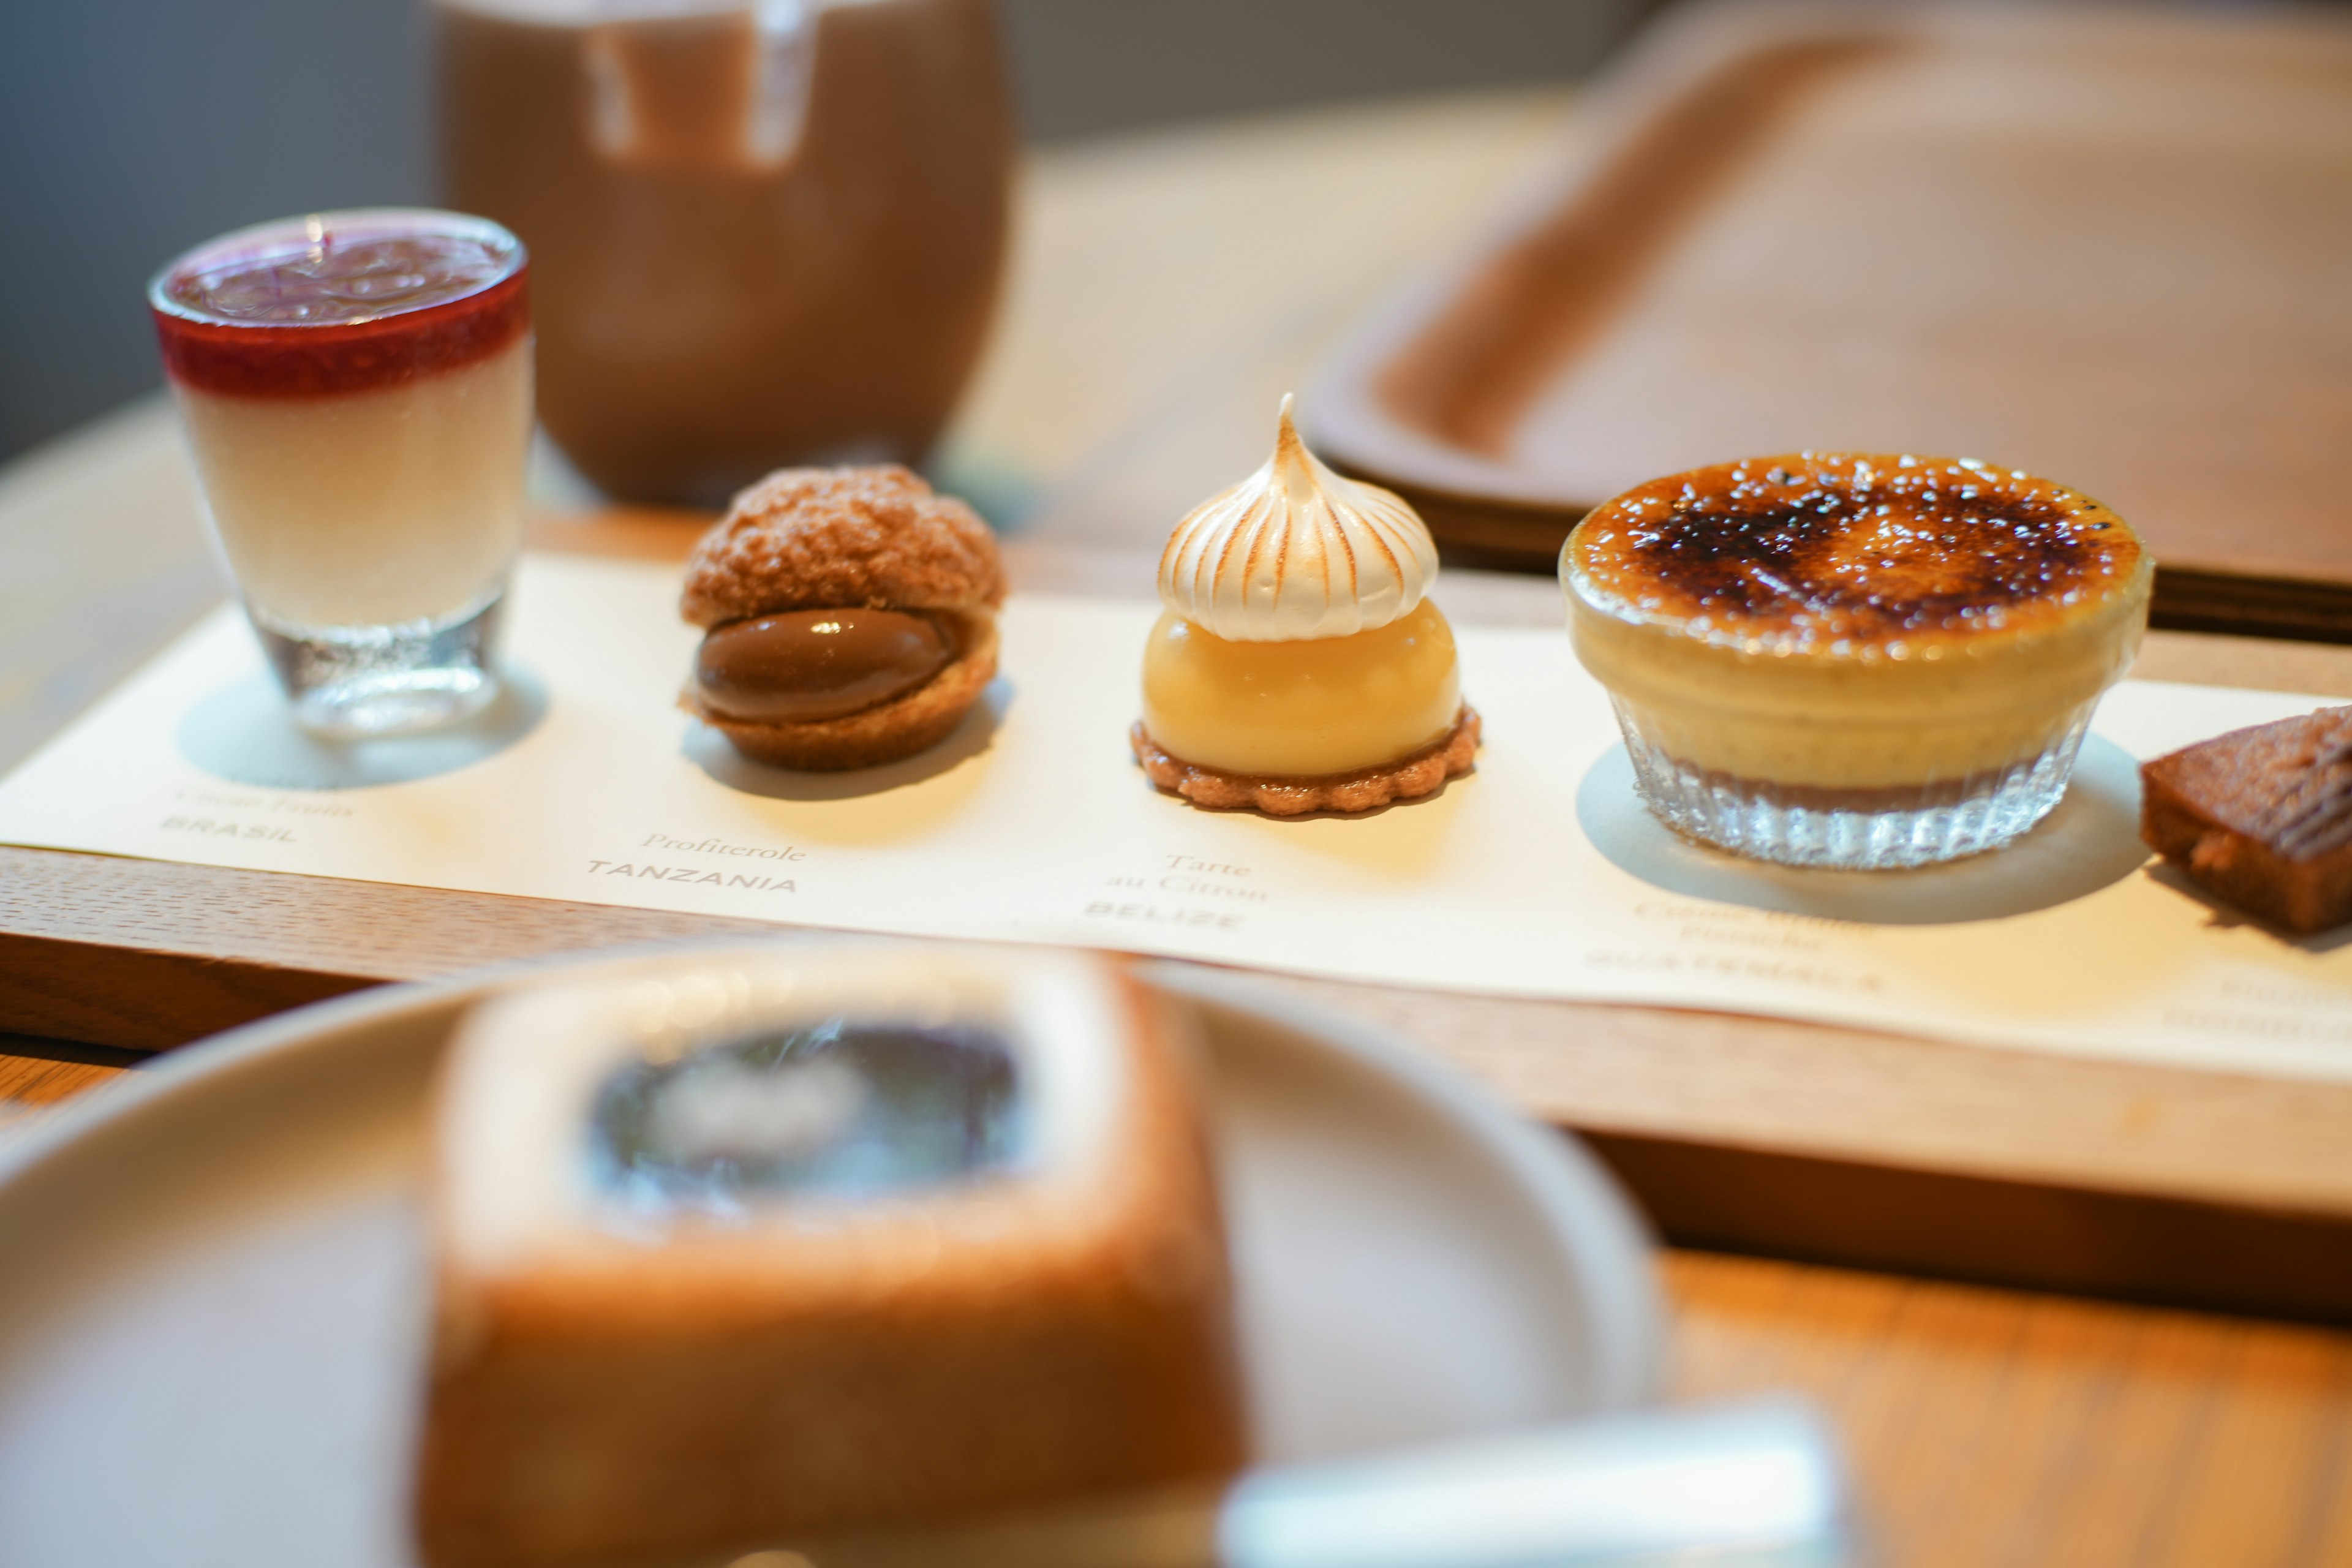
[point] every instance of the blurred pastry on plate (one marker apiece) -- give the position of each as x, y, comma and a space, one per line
849, 617
1299, 665
2261, 817
1854, 661
733, 1249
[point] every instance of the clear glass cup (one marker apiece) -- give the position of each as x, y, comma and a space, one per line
356, 391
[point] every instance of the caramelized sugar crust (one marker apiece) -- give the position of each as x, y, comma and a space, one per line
1845, 552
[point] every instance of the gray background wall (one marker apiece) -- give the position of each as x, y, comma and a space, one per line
130, 129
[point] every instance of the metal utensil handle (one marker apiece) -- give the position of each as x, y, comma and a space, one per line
1746, 1486
1752, 1484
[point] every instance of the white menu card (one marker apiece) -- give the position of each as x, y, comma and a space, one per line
1538, 875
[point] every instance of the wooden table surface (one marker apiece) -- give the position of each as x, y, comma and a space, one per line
1168, 289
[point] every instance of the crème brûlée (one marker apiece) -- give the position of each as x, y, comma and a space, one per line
1839, 635
1300, 665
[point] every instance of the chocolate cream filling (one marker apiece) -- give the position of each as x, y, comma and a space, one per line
804, 665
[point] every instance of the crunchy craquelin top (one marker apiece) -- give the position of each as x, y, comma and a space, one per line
804, 539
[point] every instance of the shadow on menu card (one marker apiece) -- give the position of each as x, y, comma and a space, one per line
2089, 842
245, 734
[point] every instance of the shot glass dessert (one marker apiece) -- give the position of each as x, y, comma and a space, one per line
356, 388
1854, 661
1300, 665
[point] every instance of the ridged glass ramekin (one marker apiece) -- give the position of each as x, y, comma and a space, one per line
1848, 828
1846, 661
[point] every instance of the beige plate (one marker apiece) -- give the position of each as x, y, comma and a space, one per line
211, 1300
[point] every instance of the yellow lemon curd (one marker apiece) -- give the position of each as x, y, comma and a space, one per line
1322, 705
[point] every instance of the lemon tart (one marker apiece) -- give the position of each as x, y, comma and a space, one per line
1298, 664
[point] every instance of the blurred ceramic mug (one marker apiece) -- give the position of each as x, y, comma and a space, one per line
761, 233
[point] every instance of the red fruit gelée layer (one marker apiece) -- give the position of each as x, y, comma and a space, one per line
306, 310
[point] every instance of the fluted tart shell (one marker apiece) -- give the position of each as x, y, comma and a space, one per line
1365, 789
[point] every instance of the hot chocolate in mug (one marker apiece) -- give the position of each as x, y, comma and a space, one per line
761, 233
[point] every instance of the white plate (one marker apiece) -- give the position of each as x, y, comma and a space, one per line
212, 1294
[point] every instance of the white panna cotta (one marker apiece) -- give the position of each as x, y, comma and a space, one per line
306, 493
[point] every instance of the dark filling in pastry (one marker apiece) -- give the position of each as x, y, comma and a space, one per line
840, 1108
801, 666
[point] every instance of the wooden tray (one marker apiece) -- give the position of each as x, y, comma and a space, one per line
2114, 247
1842, 1145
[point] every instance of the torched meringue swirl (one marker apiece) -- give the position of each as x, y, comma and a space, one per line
1294, 552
